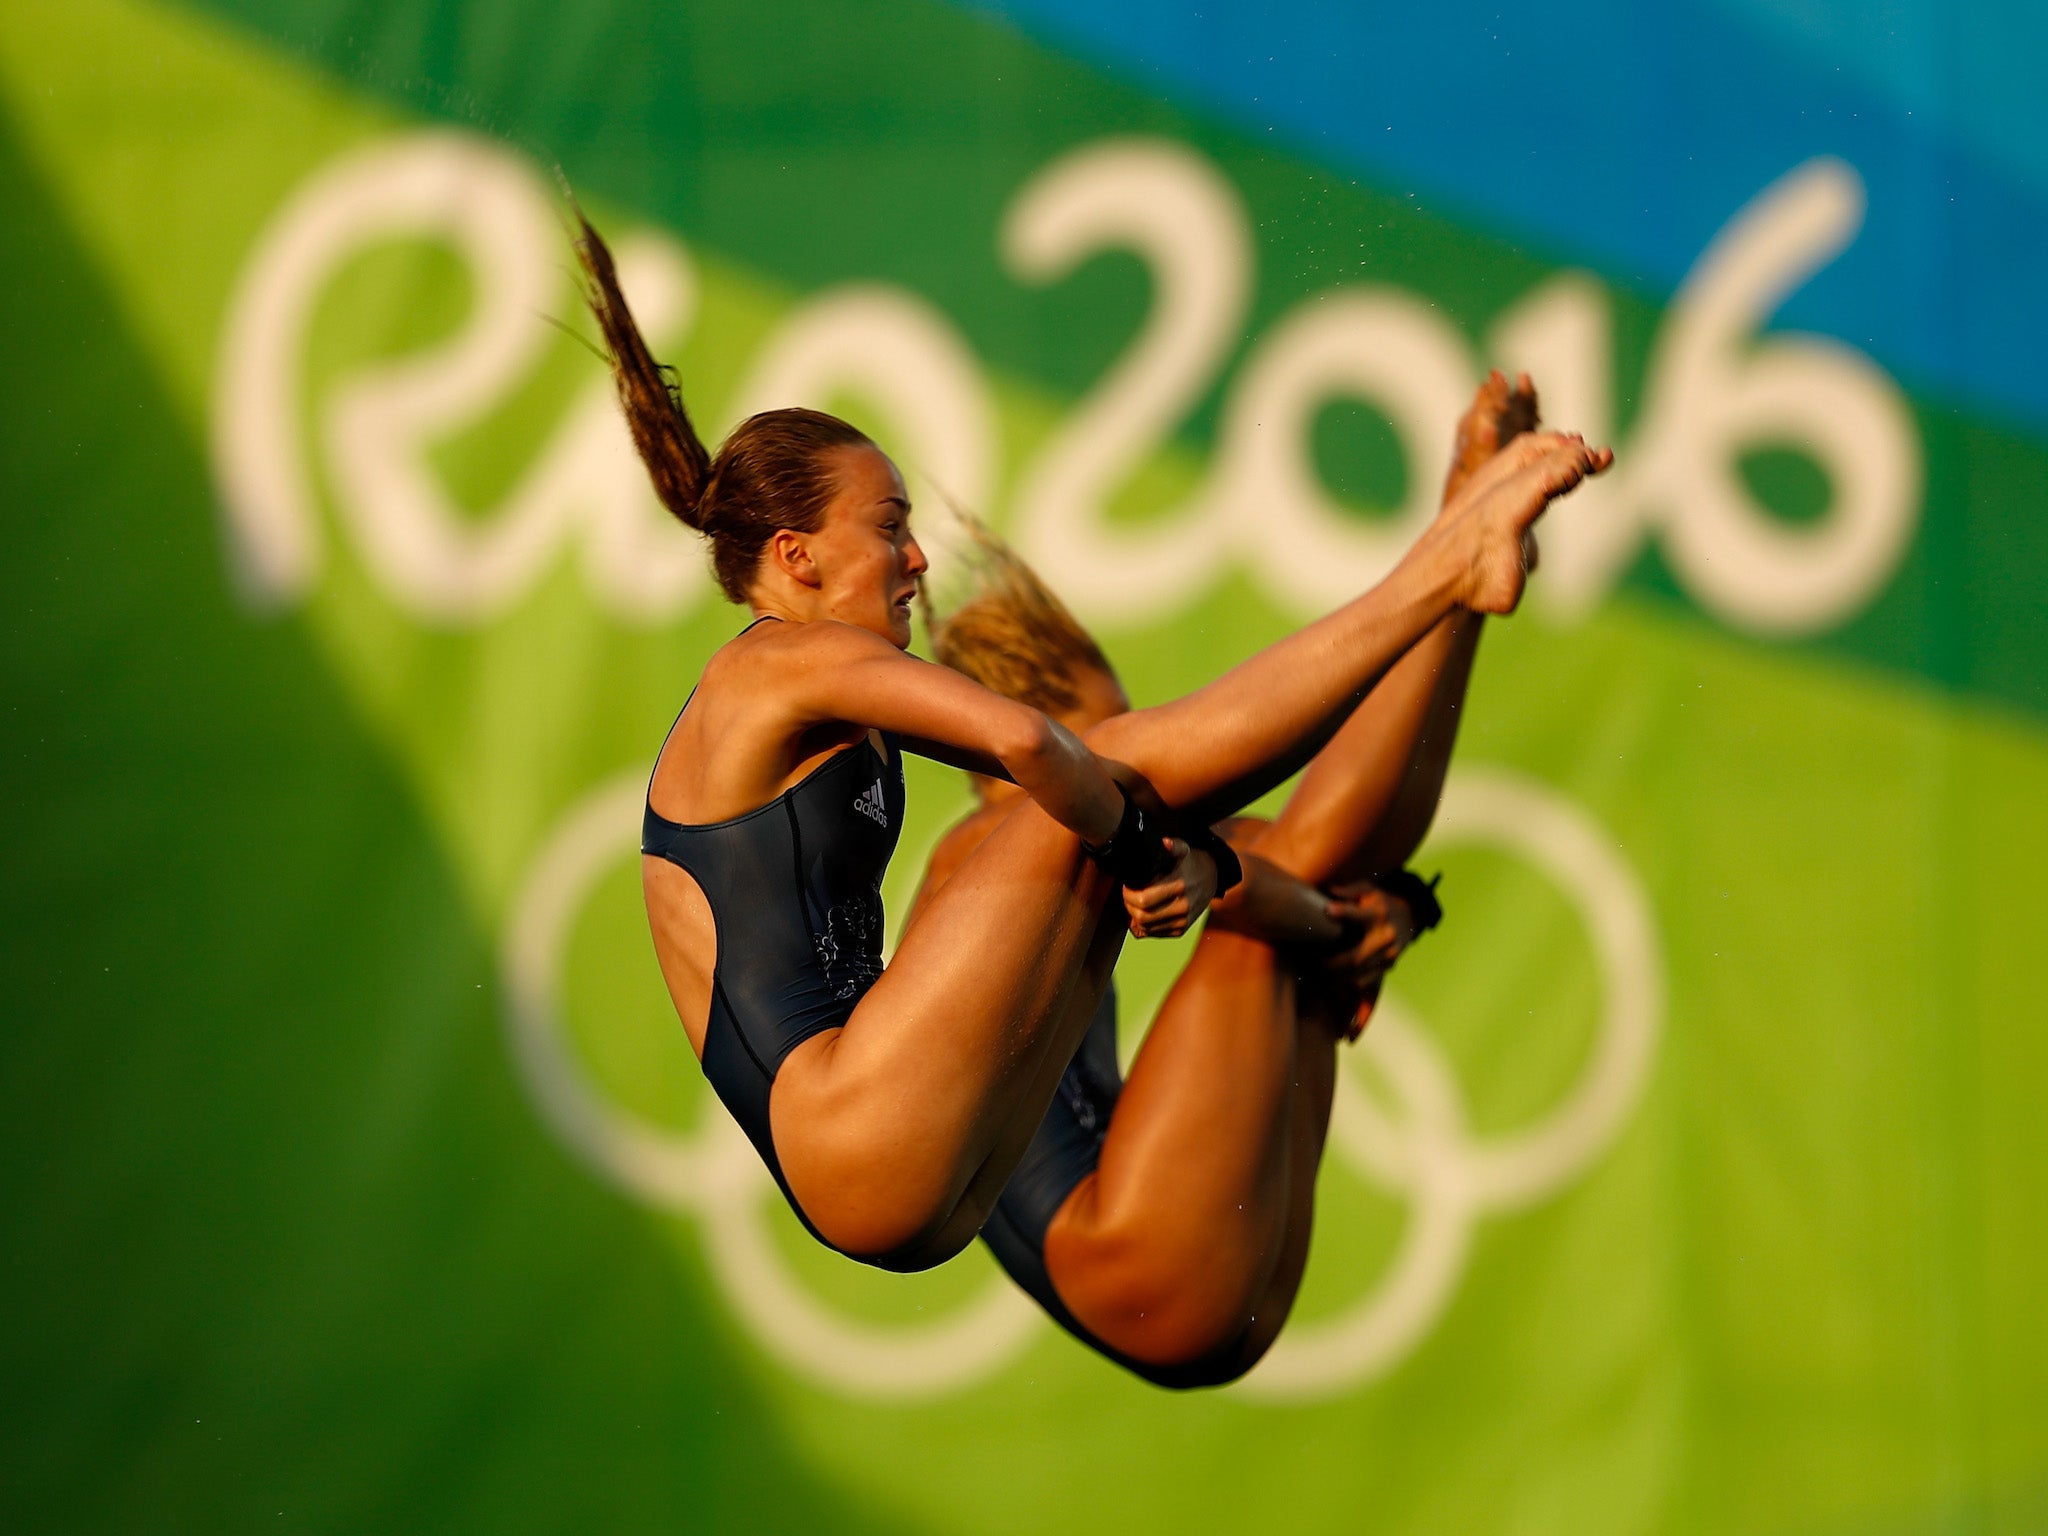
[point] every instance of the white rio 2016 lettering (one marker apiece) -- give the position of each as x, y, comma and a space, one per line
441, 565
1177, 212
1710, 393
375, 431
1262, 500
1708, 398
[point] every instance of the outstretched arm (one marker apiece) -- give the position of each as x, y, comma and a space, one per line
845, 673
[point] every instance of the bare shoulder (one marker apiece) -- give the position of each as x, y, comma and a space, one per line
766, 653
756, 723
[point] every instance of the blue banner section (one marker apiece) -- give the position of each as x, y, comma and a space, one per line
1623, 136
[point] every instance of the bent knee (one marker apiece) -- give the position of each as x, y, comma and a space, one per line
878, 1214
1218, 1369
1167, 1309
870, 1206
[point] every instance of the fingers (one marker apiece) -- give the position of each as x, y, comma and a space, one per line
1162, 888
1169, 923
1166, 908
1165, 918
1376, 950
1357, 906
1162, 928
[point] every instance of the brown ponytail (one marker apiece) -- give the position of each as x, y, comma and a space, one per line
771, 473
1013, 636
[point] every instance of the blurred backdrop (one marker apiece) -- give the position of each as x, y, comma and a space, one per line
358, 1177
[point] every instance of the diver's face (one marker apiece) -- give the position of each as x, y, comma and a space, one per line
867, 557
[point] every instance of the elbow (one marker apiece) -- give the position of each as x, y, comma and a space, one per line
1030, 744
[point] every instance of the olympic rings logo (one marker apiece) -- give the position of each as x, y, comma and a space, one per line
1427, 1154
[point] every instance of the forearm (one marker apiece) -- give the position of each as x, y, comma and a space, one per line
1055, 768
1271, 905
851, 675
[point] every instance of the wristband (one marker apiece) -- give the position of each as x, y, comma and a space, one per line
1420, 895
1136, 852
1229, 868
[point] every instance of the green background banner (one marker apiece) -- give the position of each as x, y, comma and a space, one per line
359, 1176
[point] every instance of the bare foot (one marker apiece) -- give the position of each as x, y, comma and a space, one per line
1494, 511
1499, 413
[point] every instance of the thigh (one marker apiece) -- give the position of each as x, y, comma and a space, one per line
1163, 1252
985, 1188
1308, 1128
885, 1125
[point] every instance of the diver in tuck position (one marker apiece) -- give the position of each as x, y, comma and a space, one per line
892, 1104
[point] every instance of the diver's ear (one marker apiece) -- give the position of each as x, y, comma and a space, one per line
790, 552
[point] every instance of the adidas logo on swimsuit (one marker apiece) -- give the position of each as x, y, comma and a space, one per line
870, 804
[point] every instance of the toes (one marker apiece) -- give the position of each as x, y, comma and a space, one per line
1519, 413
1487, 402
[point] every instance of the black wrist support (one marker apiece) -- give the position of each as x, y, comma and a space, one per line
1229, 869
1136, 851
1420, 895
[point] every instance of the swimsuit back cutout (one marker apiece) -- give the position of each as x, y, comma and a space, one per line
796, 905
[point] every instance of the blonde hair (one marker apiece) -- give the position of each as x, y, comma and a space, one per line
1012, 635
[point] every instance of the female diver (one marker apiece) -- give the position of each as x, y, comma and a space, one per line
892, 1104
1165, 1223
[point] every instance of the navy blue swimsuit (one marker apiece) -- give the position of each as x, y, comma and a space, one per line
1064, 1150
796, 900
